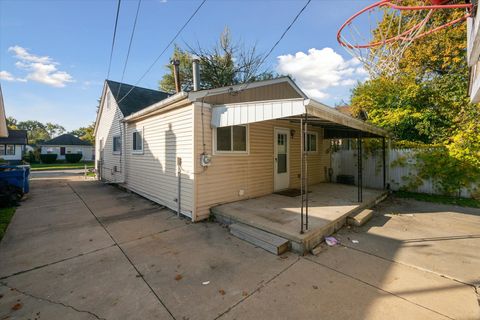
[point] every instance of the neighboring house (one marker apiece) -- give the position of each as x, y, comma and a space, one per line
209, 147
68, 143
12, 147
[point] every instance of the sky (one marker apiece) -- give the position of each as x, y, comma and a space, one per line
54, 54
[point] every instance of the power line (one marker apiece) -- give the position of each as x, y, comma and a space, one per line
129, 46
164, 50
114, 36
286, 30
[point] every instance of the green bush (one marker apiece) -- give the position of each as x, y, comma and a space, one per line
48, 158
73, 157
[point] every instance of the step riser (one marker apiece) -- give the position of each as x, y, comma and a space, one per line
260, 238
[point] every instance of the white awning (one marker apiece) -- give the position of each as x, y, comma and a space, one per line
249, 112
242, 113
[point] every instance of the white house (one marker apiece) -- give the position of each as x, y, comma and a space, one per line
68, 143
12, 147
208, 147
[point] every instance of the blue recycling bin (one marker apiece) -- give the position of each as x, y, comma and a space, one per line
16, 176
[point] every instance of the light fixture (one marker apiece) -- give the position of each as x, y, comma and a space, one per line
292, 133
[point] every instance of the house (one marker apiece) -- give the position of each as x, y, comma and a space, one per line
205, 148
68, 143
12, 147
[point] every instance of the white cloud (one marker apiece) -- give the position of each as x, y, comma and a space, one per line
318, 70
7, 76
41, 69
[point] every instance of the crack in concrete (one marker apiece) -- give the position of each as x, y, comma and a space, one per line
53, 302
378, 288
413, 267
122, 251
55, 262
263, 285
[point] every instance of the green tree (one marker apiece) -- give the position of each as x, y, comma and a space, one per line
85, 133
36, 131
226, 63
54, 129
12, 123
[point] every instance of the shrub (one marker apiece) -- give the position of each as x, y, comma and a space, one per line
73, 157
48, 158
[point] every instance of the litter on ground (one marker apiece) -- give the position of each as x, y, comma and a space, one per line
331, 241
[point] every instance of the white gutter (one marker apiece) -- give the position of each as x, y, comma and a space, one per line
157, 106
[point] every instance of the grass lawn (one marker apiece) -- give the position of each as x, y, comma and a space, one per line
464, 202
61, 166
6, 215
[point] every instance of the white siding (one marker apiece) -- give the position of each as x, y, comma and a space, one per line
109, 126
153, 174
87, 151
16, 156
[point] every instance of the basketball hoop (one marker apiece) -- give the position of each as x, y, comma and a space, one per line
379, 34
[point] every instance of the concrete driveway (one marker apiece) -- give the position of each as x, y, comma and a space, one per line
84, 250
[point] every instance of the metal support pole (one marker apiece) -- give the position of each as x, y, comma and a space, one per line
306, 172
384, 164
360, 169
179, 191
301, 174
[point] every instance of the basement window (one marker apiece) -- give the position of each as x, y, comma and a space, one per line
137, 142
231, 139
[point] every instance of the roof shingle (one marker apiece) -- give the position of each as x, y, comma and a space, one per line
66, 139
137, 99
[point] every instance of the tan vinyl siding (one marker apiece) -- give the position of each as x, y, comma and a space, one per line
109, 127
153, 173
252, 173
272, 92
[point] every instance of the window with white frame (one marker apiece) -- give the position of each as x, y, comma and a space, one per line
232, 139
117, 144
10, 150
137, 142
310, 141
2, 149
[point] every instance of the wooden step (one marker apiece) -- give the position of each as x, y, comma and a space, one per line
260, 238
360, 218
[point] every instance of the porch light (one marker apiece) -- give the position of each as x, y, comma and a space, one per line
292, 133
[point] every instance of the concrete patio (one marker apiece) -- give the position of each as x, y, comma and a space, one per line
84, 250
329, 206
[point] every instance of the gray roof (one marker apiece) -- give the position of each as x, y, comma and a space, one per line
15, 137
137, 99
66, 139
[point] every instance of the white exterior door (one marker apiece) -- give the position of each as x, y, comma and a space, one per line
281, 159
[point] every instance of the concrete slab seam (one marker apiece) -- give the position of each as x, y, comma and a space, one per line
123, 252
257, 289
412, 266
52, 302
378, 288
55, 262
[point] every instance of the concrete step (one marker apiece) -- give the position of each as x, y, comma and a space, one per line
260, 238
360, 218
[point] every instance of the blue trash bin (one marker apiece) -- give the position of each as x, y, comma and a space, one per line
17, 177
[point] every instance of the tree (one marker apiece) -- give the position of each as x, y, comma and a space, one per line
12, 123
85, 133
36, 131
427, 102
226, 63
54, 129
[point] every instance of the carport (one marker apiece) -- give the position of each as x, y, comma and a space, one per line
306, 114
